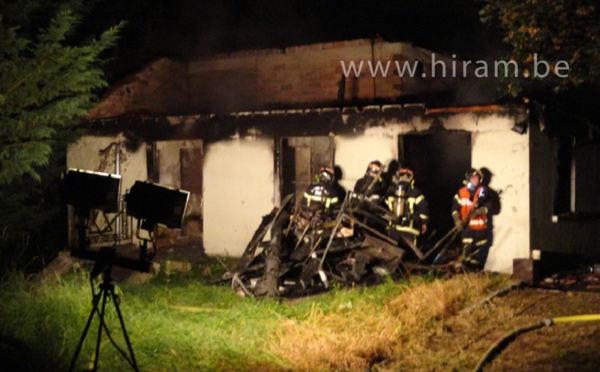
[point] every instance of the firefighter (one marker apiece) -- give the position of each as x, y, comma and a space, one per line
322, 196
469, 212
368, 195
408, 205
371, 184
320, 204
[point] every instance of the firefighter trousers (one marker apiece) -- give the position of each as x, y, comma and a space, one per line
476, 246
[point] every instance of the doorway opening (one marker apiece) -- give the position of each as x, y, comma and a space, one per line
439, 161
300, 160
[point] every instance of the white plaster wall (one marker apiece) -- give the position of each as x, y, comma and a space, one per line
84, 154
238, 191
353, 154
239, 180
506, 154
494, 146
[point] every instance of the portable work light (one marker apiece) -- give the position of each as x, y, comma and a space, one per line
157, 204
86, 190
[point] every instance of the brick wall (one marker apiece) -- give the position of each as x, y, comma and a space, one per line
296, 77
301, 76
161, 87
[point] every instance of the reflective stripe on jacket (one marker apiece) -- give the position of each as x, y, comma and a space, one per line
320, 194
418, 211
466, 205
325, 200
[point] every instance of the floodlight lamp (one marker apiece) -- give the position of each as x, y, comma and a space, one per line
520, 128
86, 190
157, 204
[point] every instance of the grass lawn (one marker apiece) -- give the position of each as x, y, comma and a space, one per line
182, 322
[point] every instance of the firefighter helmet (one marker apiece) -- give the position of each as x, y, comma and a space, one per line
374, 168
405, 175
470, 173
326, 174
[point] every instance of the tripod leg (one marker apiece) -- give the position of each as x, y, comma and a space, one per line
106, 289
105, 294
116, 301
95, 302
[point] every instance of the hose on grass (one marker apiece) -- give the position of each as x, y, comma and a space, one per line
498, 293
576, 318
508, 337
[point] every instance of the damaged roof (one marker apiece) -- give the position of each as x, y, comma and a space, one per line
294, 78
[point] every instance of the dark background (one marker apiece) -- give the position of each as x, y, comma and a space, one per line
188, 28
183, 29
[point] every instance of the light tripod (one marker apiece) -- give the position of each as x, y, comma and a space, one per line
150, 204
106, 294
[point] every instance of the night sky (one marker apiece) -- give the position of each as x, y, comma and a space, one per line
182, 29
188, 28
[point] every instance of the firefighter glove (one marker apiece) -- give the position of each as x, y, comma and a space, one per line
458, 224
457, 221
482, 211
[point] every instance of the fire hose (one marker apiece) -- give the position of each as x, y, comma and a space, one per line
501, 343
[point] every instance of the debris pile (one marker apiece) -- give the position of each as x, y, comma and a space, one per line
307, 251
587, 278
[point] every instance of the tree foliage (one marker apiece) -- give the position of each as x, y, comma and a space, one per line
45, 84
555, 30
50, 72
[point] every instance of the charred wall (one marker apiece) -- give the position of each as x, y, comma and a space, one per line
549, 231
241, 176
315, 75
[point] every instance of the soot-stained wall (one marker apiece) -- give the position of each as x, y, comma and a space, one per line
494, 146
241, 177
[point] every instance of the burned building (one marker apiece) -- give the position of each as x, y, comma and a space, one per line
240, 131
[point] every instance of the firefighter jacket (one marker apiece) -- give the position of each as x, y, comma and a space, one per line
465, 201
414, 209
321, 196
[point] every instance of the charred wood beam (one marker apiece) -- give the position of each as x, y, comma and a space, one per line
268, 285
389, 215
338, 221
309, 270
236, 282
260, 233
407, 241
340, 248
369, 229
258, 236
371, 216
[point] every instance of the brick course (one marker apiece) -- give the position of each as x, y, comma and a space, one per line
299, 76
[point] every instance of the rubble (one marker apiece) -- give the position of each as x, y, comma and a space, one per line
586, 279
307, 252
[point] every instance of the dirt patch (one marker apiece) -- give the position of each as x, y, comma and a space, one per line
573, 346
561, 347
459, 342
183, 249
181, 252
